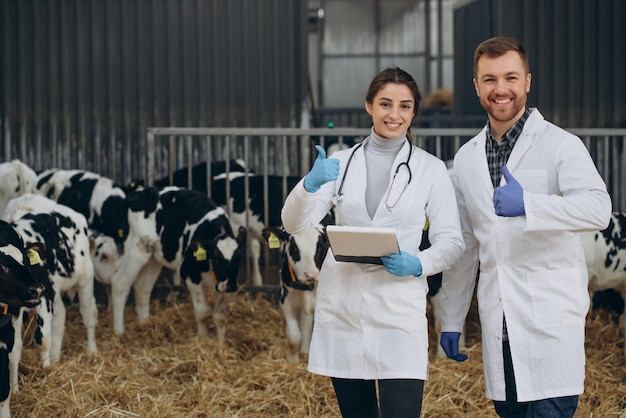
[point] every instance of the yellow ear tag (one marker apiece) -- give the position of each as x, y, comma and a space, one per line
120, 233
33, 257
426, 225
273, 241
200, 254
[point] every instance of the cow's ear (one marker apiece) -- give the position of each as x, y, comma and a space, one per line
35, 253
201, 249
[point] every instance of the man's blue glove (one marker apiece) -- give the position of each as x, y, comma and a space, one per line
508, 200
403, 264
450, 343
324, 170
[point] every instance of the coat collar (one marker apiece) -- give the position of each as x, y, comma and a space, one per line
524, 143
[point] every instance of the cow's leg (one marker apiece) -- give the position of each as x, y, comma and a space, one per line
14, 357
292, 311
122, 281
254, 255
89, 312
43, 333
200, 305
143, 288
306, 321
5, 386
220, 315
58, 328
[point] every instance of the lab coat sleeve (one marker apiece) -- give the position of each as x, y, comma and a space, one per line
444, 231
459, 280
582, 204
302, 209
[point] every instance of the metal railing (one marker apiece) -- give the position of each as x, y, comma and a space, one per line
290, 152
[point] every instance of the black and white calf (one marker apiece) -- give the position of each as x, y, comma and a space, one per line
254, 220
18, 288
605, 254
68, 268
302, 257
179, 229
97, 198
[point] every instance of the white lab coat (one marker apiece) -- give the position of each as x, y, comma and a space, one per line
370, 324
532, 268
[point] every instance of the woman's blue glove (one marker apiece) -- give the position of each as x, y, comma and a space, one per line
450, 343
324, 170
508, 200
403, 264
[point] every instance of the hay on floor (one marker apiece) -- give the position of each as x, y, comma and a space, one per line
162, 370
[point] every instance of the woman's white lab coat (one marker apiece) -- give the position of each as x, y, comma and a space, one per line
370, 324
532, 267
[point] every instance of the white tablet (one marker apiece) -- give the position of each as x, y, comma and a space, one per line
362, 244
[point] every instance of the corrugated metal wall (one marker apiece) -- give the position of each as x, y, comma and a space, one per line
83, 79
576, 49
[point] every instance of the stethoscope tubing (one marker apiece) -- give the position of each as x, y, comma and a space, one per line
343, 178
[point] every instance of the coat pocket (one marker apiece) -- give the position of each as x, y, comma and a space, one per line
557, 298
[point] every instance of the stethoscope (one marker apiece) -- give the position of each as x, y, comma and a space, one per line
404, 163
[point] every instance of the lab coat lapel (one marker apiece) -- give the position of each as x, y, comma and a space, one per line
523, 143
482, 169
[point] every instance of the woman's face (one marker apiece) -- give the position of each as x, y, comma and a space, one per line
392, 110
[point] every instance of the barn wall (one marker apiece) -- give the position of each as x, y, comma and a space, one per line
82, 80
576, 50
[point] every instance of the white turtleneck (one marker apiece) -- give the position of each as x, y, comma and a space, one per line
379, 156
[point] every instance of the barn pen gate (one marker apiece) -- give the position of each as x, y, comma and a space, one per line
290, 152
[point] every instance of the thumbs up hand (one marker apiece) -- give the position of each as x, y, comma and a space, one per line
324, 170
508, 200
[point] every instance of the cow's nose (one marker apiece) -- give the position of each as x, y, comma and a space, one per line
36, 291
312, 275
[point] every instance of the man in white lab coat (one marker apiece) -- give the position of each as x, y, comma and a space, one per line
525, 190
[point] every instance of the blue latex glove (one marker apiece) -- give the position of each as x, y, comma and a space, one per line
403, 264
450, 343
324, 170
508, 200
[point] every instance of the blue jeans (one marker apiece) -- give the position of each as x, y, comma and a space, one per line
562, 407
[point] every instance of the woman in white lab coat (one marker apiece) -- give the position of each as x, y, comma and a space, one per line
370, 320
524, 230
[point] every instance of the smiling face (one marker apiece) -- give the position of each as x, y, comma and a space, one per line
502, 84
392, 110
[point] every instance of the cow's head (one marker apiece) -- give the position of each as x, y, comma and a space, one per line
221, 256
18, 285
303, 254
105, 255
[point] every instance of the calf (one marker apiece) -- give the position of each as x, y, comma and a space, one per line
302, 257
68, 268
18, 288
605, 255
242, 191
97, 198
17, 179
182, 230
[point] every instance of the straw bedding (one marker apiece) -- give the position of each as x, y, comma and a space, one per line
162, 370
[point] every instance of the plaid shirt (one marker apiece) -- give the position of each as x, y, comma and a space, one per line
497, 156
